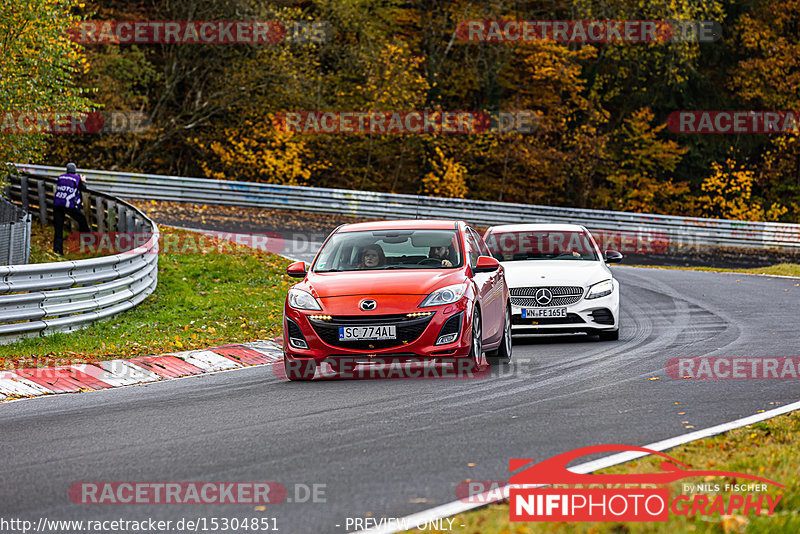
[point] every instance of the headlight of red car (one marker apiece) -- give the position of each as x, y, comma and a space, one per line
445, 295
302, 300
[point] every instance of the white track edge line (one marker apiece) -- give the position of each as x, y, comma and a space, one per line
457, 507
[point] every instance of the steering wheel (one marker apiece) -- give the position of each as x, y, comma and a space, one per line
429, 260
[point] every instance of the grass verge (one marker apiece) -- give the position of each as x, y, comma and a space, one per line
768, 449
781, 269
221, 294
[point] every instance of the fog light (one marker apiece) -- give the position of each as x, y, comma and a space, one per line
449, 338
321, 317
298, 343
418, 314
451, 330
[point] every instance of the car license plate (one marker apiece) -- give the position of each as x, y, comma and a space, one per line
537, 313
356, 333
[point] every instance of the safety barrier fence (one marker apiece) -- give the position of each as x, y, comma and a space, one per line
657, 230
63, 296
15, 234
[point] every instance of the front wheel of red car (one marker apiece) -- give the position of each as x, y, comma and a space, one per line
476, 350
299, 370
502, 355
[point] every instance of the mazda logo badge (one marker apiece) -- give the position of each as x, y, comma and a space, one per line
368, 305
543, 296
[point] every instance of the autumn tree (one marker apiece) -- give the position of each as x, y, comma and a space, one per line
639, 172
39, 68
767, 77
447, 177
728, 194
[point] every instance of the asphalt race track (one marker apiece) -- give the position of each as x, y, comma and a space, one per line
394, 447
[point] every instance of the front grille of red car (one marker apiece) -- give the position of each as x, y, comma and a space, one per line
408, 330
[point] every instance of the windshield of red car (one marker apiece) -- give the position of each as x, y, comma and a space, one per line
390, 249
541, 245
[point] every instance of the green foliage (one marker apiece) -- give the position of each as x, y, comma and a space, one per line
38, 69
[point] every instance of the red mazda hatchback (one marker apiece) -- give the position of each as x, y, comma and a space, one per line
421, 290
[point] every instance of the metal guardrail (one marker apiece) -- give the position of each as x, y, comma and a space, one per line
677, 232
15, 234
43, 298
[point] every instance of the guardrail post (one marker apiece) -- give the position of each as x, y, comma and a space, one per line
23, 185
100, 214
122, 219
86, 207
12, 231
42, 201
111, 221
27, 241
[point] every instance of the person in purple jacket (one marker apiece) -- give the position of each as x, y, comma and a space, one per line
68, 202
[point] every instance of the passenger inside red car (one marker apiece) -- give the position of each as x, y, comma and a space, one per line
372, 256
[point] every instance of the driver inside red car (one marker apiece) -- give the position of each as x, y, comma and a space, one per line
441, 253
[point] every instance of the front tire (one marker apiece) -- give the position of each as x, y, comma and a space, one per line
476, 350
502, 356
609, 336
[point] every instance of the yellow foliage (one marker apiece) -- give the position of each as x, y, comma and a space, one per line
729, 195
641, 162
393, 81
259, 152
447, 179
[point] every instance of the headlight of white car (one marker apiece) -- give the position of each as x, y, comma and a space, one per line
600, 289
302, 300
445, 295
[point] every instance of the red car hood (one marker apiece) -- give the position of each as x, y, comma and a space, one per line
389, 282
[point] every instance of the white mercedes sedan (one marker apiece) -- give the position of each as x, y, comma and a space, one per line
558, 279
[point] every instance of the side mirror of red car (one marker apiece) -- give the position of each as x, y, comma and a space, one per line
486, 264
297, 269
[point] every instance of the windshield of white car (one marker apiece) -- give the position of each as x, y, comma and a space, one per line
390, 250
541, 245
